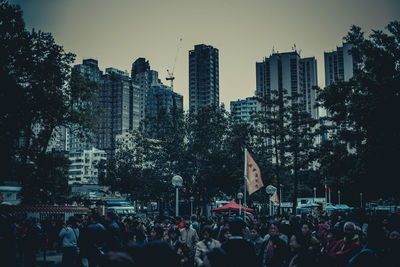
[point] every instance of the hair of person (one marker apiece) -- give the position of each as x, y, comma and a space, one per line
206, 229
236, 226
349, 224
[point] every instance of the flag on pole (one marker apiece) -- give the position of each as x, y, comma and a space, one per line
253, 175
275, 199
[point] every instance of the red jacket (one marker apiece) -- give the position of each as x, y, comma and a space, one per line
344, 249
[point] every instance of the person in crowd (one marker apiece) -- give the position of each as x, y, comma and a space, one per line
195, 224
156, 233
240, 252
69, 235
274, 250
347, 247
94, 240
114, 233
256, 239
205, 245
299, 250
189, 235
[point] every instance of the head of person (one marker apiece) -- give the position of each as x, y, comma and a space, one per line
273, 229
254, 233
73, 222
194, 218
111, 216
297, 242
187, 222
216, 258
236, 226
306, 229
173, 233
349, 230
156, 232
206, 233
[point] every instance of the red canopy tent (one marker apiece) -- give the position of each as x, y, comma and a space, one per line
232, 206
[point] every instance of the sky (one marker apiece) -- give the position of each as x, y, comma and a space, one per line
117, 32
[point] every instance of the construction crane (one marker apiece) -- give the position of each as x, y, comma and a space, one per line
171, 73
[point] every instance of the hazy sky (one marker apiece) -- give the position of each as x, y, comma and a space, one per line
116, 32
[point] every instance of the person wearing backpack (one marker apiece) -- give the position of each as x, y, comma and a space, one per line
69, 235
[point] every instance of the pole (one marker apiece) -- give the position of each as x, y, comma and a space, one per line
191, 208
315, 193
240, 206
270, 208
338, 196
361, 203
245, 182
326, 194
329, 195
280, 199
177, 202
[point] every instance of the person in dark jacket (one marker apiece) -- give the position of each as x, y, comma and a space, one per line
240, 252
273, 252
301, 256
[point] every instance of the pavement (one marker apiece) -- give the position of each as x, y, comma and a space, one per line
53, 258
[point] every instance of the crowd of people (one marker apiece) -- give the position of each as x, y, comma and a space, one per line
286, 240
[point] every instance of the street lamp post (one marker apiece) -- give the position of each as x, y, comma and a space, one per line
191, 205
177, 182
338, 196
280, 199
270, 191
240, 196
315, 193
361, 203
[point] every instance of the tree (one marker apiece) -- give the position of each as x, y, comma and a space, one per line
301, 141
361, 111
38, 94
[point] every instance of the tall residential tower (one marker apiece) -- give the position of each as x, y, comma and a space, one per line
203, 77
287, 71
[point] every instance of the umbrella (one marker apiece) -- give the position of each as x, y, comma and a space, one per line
342, 207
311, 205
232, 206
330, 207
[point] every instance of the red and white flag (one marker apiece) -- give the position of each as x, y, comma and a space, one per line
275, 199
253, 175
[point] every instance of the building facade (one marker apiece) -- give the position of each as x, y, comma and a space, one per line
243, 110
145, 78
339, 64
289, 72
119, 102
203, 77
83, 168
161, 99
90, 71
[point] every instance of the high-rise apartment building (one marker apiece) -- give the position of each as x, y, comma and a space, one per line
161, 98
242, 110
339, 64
145, 78
90, 71
83, 168
288, 71
120, 108
203, 77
